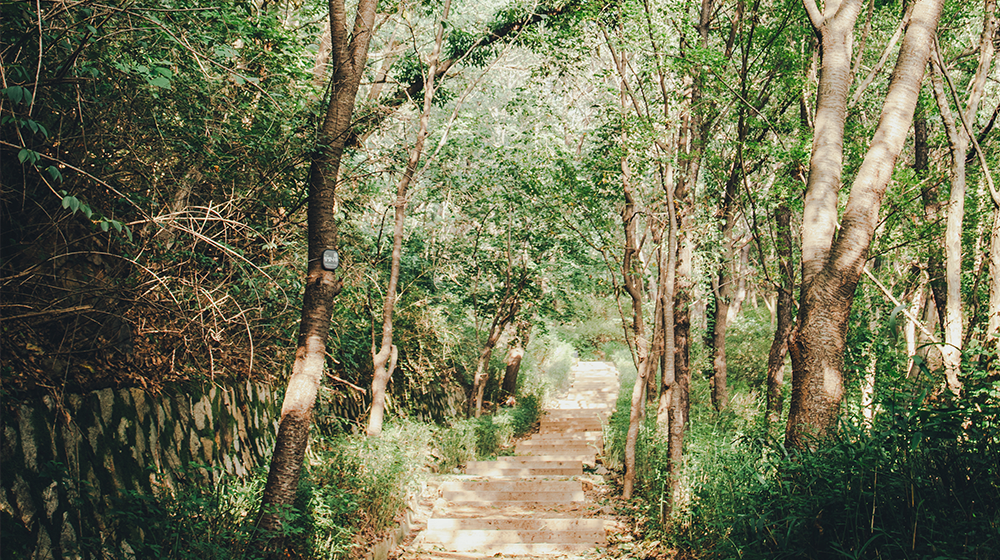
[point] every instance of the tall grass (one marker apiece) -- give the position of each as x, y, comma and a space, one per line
922, 480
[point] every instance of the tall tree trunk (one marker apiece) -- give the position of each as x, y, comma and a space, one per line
831, 265
384, 361
993, 322
633, 281
932, 214
784, 313
505, 313
959, 136
515, 356
322, 285
959, 143
654, 387
723, 282
670, 410
670, 413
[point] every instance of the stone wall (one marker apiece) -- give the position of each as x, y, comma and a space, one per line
62, 463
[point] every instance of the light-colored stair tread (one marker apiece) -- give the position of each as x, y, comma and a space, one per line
531, 505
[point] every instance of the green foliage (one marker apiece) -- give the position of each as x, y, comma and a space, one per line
485, 437
455, 445
358, 484
748, 341
922, 482
195, 521
353, 485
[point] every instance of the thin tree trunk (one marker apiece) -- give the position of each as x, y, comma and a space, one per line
932, 214
515, 356
784, 314
918, 303
633, 286
959, 143
381, 359
505, 313
670, 411
832, 267
321, 285
993, 323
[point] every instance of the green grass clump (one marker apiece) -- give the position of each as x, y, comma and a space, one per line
923, 481
485, 437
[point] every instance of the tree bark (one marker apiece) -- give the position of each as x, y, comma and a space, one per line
959, 137
784, 314
381, 359
321, 285
932, 214
504, 315
993, 322
959, 144
514, 358
832, 267
633, 282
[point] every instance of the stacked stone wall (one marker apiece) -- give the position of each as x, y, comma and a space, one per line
63, 462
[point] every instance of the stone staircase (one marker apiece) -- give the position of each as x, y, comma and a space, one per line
534, 503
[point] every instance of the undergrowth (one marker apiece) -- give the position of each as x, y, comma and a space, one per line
351, 491
921, 481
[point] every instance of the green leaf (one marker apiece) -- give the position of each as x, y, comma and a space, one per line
104, 225
160, 82
71, 202
54, 173
14, 93
28, 156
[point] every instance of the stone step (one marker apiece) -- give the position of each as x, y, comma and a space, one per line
588, 436
529, 471
556, 447
533, 485
518, 524
550, 459
588, 458
524, 466
469, 544
486, 497
557, 418
570, 427
571, 414
472, 539
566, 430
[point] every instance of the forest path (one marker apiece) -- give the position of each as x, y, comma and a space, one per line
538, 503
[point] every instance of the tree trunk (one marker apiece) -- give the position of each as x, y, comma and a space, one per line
321, 285
633, 282
959, 136
506, 312
723, 283
993, 323
832, 267
514, 358
783, 312
381, 359
932, 214
959, 143
670, 412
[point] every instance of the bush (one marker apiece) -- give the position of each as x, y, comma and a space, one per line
358, 484
455, 445
923, 482
194, 522
487, 436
